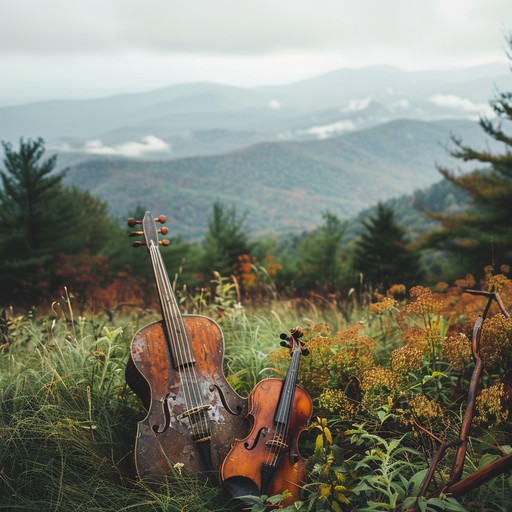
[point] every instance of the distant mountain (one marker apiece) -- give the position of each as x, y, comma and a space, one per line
208, 119
283, 186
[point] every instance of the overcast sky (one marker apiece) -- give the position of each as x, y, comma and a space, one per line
52, 49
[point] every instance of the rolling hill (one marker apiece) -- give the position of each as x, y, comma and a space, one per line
283, 186
206, 118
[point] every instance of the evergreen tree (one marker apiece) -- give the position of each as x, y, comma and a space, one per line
319, 263
381, 253
41, 219
224, 241
482, 235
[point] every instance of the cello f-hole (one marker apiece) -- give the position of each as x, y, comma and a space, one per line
238, 408
166, 414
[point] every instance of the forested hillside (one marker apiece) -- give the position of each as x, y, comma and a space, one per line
284, 187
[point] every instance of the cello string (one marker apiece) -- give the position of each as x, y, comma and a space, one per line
162, 281
178, 334
183, 347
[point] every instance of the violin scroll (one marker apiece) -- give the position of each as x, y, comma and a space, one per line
294, 340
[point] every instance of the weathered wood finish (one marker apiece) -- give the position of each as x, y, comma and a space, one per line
160, 386
242, 465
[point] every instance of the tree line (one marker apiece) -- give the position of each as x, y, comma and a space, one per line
54, 236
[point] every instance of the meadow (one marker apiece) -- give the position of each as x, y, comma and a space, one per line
400, 399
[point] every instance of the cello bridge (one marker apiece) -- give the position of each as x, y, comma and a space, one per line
193, 411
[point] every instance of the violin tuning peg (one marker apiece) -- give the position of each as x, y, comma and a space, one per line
163, 231
165, 243
136, 233
133, 222
284, 336
305, 352
284, 344
162, 219
138, 243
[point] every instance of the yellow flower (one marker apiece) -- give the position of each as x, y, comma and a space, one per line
457, 351
406, 359
491, 404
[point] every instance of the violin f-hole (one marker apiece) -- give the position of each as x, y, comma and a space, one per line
261, 432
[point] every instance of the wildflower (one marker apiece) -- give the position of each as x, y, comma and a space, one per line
385, 304
335, 401
496, 341
422, 302
380, 385
497, 282
463, 284
457, 351
441, 287
406, 359
491, 404
396, 289
425, 411
414, 336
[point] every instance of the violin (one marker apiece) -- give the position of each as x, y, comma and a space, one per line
268, 461
175, 368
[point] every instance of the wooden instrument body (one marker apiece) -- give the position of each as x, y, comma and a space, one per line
163, 439
241, 468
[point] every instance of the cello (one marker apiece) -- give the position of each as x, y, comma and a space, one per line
268, 461
175, 368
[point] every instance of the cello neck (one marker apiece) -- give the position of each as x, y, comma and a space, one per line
181, 349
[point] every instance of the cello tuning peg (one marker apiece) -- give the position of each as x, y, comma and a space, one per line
133, 222
305, 351
162, 219
165, 243
284, 344
138, 243
136, 233
284, 336
163, 231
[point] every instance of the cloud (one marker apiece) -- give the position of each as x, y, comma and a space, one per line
253, 28
328, 130
399, 104
274, 104
356, 105
58, 48
456, 102
150, 144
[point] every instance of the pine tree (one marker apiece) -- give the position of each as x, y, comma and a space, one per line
381, 253
41, 219
319, 262
224, 241
482, 235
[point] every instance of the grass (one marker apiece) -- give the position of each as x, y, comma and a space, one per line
68, 419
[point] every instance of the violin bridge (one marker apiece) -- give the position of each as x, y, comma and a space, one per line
193, 411
277, 443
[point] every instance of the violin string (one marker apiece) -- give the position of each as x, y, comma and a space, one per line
181, 343
288, 395
172, 329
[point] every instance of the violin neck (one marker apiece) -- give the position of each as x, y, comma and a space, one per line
181, 349
284, 407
